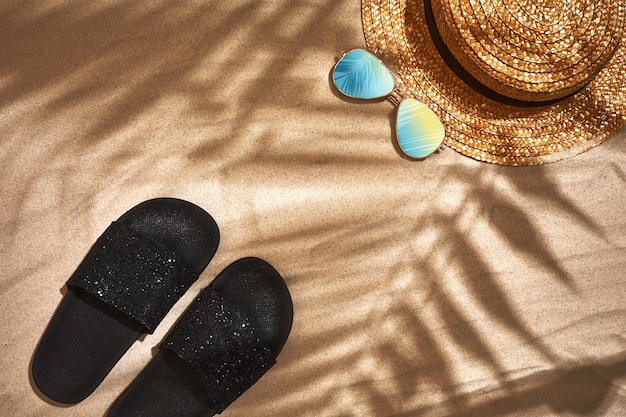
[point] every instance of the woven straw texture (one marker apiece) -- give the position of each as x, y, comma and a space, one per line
515, 83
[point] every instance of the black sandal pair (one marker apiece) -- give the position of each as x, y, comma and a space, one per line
135, 272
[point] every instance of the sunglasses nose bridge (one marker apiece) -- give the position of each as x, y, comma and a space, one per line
395, 97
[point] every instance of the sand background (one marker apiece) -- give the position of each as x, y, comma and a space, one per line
447, 287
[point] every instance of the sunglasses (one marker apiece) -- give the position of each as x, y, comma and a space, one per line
360, 74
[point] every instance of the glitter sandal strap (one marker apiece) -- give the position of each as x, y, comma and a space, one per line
223, 344
133, 274
222, 347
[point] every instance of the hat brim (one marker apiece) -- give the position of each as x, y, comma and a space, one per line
478, 125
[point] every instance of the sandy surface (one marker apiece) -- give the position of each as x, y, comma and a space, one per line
447, 287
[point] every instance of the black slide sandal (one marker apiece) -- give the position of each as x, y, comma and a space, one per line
225, 341
128, 281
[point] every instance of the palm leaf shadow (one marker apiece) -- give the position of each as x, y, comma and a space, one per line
318, 359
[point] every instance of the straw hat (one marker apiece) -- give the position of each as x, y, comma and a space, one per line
515, 82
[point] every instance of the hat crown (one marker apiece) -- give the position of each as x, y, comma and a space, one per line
532, 50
